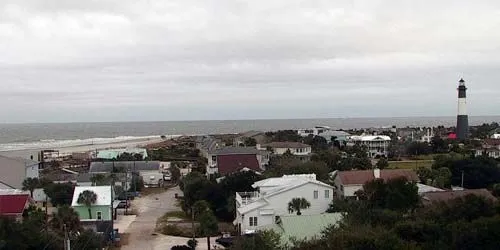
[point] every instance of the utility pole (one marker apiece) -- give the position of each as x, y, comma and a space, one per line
462, 179
67, 242
46, 217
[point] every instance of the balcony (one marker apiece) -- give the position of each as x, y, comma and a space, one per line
244, 198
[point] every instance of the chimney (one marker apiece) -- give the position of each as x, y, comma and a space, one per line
376, 173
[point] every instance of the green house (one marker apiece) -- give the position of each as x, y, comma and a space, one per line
101, 210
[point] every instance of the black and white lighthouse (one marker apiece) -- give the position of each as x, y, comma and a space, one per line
462, 118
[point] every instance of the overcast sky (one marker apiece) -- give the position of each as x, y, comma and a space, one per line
124, 60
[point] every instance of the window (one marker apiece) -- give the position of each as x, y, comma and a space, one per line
315, 194
327, 194
253, 221
99, 215
214, 158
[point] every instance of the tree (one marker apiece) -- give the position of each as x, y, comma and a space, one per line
31, 184
208, 224
98, 179
298, 204
87, 198
88, 239
65, 217
395, 194
262, 240
136, 183
59, 193
250, 142
382, 163
175, 172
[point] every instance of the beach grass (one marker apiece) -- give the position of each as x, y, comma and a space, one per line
410, 164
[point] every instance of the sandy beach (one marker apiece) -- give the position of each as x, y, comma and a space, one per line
83, 148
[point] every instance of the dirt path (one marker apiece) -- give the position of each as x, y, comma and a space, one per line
150, 208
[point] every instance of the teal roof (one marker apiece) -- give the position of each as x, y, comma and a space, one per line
301, 227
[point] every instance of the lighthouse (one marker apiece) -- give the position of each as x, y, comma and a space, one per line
462, 118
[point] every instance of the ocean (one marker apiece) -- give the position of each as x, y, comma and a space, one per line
53, 135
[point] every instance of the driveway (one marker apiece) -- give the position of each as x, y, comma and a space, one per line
149, 208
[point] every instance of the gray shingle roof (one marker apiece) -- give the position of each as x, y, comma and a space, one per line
234, 151
107, 167
85, 177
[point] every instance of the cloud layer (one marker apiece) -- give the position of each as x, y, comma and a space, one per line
112, 60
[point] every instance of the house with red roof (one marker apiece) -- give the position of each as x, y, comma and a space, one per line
228, 160
347, 183
14, 204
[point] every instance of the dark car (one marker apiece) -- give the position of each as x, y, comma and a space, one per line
124, 204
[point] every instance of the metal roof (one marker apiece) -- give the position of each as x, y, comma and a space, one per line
107, 166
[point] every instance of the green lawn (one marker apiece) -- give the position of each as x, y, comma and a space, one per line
410, 164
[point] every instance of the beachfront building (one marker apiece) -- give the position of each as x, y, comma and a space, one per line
337, 135
255, 210
313, 131
300, 150
98, 216
376, 145
347, 183
227, 160
111, 154
13, 171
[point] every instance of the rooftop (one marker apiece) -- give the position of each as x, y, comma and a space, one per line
13, 204
370, 138
360, 177
235, 151
302, 227
450, 195
231, 163
103, 195
285, 144
107, 166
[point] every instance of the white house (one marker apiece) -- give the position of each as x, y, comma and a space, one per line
261, 208
490, 147
312, 131
301, 150
376, 145
347, 183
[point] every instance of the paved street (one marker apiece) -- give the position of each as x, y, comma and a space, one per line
150, 208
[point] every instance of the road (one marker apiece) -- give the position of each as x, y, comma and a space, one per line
150, 208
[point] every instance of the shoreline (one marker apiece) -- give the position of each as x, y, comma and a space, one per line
139, 142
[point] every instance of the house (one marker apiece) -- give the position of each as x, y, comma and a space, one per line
312, 131
261, 208
13, 203
340, 136
150, 171
258, 136
347, 183
100, 218
228, 160
433, 197
376, 145
490, 147
303, 227
13, 171
121, 179
300, 150
115, 153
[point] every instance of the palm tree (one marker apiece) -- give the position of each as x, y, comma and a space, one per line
31, 184
297, 204
204, 215
65, 216
87, 198
98, 179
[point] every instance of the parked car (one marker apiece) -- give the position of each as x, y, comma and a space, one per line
124, 204
225, 240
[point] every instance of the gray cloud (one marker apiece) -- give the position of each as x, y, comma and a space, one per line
187, 59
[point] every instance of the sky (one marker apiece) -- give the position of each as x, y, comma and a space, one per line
139, 60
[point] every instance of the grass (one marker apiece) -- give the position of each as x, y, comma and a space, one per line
177, 214
410, 164
152, 191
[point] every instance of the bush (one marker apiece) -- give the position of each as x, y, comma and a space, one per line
170, 229
181, 247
